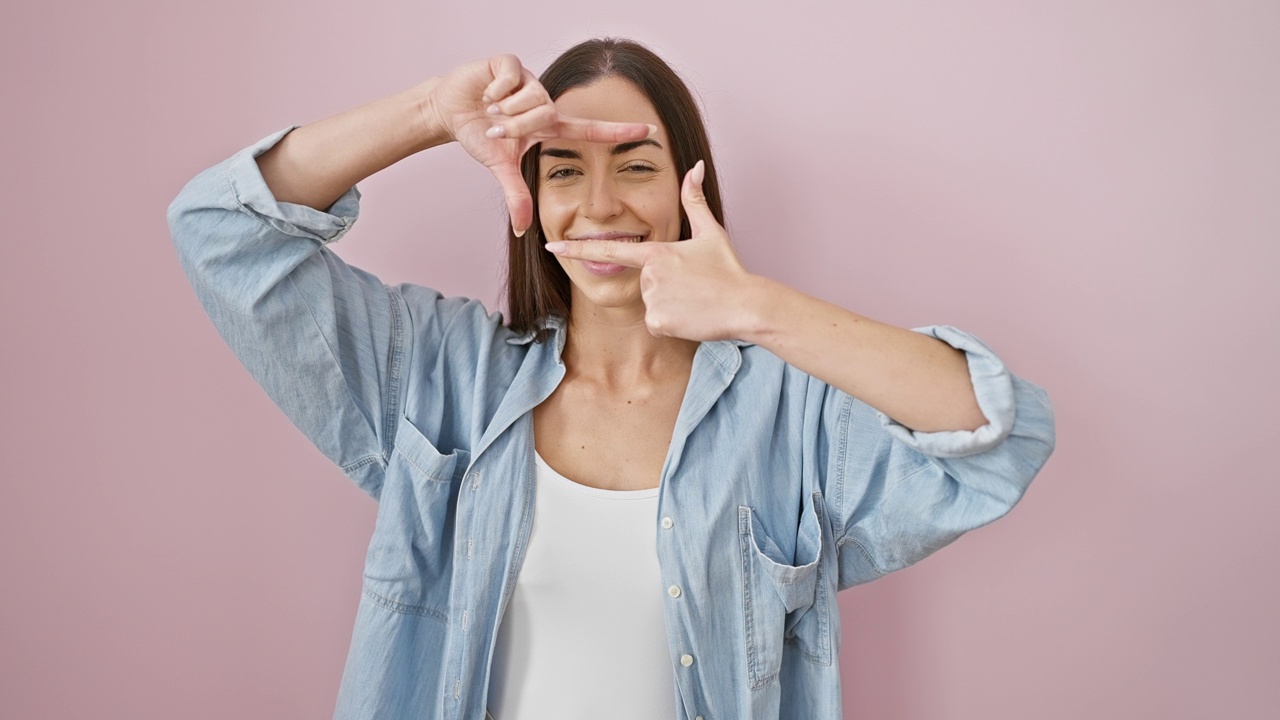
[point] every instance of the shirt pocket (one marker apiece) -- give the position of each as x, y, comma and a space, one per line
786, 602
410, 559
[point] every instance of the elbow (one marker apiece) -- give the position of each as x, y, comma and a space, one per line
175, 215
1042, 427
1032, 443
188, 212
180, 216
1027, 448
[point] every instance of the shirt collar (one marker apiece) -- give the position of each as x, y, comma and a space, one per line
553, 322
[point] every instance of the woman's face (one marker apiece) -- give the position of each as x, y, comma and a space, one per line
594, 191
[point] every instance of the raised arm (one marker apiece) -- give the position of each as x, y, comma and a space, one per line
929, 434
328, 341
698, 290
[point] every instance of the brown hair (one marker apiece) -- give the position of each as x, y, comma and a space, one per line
537, 287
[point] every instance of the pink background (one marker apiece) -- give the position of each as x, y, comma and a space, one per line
1092, 187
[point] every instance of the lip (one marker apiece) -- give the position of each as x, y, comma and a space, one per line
611, 235
600, 269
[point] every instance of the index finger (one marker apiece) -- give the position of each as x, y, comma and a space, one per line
574, 128
604, 251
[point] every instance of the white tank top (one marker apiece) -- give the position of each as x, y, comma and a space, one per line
583, 635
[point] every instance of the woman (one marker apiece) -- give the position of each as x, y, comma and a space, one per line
648, 392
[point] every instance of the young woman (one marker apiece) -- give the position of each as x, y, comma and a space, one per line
638, 497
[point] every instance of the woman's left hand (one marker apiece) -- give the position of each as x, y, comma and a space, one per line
695, 289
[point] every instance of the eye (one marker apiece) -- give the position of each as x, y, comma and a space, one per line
639, 168
562, 172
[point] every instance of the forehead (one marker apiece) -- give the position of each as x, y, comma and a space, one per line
610, 98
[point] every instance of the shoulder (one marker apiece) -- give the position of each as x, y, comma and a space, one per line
459, 317
457, 336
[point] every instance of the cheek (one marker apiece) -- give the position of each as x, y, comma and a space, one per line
552, 210
672, 213
661, 209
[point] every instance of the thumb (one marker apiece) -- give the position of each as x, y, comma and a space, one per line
519, 201
701, 219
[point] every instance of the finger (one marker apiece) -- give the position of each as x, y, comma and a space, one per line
572, 128
507, 75
701, 219
519, 201
535, 121
523, 100
605, 251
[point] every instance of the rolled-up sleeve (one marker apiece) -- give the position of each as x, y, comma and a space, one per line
898, 495
253, 197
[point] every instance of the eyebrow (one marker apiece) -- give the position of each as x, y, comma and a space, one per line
619, 149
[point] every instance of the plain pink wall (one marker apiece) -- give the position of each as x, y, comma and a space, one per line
1092, 187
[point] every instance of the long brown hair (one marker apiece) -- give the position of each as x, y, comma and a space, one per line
537, 287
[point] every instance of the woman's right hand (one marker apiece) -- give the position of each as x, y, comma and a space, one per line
496, 109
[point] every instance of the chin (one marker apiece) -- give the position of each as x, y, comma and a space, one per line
602, 293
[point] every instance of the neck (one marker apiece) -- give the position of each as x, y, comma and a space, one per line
613, 346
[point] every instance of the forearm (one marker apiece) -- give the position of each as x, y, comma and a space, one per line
316, 163
919, 381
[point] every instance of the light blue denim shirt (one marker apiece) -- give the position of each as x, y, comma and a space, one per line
778, 490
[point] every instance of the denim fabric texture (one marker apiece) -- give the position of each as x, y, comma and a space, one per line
780, 489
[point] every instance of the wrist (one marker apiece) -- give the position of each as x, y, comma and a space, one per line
433, 127
762, 303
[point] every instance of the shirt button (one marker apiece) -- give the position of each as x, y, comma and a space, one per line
674, 591
667, 522
686, 660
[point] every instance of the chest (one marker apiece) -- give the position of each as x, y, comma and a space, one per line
609, 440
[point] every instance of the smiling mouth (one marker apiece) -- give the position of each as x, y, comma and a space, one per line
615, 238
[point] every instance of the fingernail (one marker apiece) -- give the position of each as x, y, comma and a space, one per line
493, 109
520, 233
653, 130
699, 170
496, 131
555, 247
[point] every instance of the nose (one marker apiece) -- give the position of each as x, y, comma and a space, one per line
602, 200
